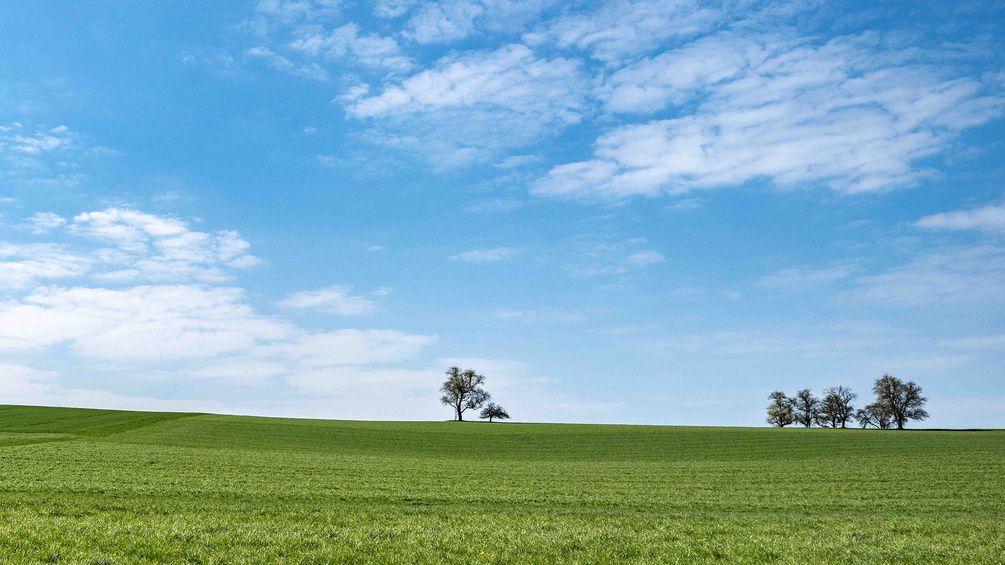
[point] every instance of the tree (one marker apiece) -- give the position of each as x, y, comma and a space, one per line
780, 411
836, 408
463, 390
874, 415
806, 407
493, 410
902, 401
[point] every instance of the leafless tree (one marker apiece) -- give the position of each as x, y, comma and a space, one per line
874, 415
780, 411
807, 407
902, 401
463, 390
494, 411
836, 409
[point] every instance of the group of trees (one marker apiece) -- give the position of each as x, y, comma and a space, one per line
897, 402
463, 391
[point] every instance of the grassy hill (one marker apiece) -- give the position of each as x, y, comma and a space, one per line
111, 486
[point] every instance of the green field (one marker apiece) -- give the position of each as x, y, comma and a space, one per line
107, 487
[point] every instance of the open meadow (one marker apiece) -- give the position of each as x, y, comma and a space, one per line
106, 486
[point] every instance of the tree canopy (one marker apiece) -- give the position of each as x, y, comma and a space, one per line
494, 412
463, 391
836, 410
806, 407
780, 411
902, 401
897, 402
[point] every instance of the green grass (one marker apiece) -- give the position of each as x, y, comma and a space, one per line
109, 486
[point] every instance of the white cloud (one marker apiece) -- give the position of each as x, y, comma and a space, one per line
645, 258
539, 315
35, 143
23, 265
795, 279
620, 29
952, 277
451, 20
136, 246
45, 221
143, 323
392, 8
191, 332
279, 62
686, 204
42, 156
506, 78
445, 21
347, 41
495, 205
289, 11
352, 347
191, 335
472, 106
491, 255
595, 256
337, 299
989, 219
849, 114
676, 76
151, 247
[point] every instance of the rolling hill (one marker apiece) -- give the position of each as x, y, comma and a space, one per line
81, 485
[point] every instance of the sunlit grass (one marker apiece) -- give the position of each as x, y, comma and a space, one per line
79, 486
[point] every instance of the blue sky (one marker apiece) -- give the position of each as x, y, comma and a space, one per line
640, 212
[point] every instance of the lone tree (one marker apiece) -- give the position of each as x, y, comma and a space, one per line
463, 390
780, 411
806, 406
494, 411
901, 401
836, 409
873, 415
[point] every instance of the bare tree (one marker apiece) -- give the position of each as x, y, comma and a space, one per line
780, 411
875, 415
463, 390
902, 401
836, 409
806, 407
494, 411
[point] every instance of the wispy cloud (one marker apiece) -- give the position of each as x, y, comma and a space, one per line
337, 299
279, 62
469, 107
947, 278
849, 114
191, 328
989, 219
489, 255
43, 156
796, 279
349, 42
621, 29
452, 20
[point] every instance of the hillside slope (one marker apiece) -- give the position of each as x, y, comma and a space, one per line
79, 485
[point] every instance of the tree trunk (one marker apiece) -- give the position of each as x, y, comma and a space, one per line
490, 419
